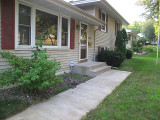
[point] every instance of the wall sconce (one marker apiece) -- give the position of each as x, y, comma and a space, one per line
78, 27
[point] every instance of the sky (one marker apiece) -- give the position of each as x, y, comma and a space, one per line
128, 9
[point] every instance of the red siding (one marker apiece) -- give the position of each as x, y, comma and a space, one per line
8, 21
100, 13
72, 34
106, 23
99, 49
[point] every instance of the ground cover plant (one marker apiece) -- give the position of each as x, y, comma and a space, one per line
16, 99
138, 97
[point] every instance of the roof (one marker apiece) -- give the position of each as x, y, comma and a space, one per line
140, 34
131, 32
128, 31
104, 5
65, 8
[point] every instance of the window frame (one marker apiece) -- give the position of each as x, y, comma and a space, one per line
33, 26
60, 44
23, 25
58, 30
102, 12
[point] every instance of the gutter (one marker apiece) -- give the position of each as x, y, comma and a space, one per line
94, 55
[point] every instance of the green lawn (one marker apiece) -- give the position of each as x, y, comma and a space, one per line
138, 97
10, 107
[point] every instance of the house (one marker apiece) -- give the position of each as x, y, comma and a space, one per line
73, 31
131, 37
140, 35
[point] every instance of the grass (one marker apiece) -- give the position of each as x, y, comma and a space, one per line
10, 107
138, 97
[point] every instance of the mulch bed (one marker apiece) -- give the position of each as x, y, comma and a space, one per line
70, 80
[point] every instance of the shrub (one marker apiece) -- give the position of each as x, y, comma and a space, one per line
129, 54
136, 47
102, 56
120, 43
148, 49
112, 58
115, 58
36, 73
142, 41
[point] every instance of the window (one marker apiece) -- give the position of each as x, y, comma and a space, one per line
64, 41
46, 28
103, 19
24, 35
118, 26
129, 36
34, 24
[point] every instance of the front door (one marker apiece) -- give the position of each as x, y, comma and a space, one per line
83, 42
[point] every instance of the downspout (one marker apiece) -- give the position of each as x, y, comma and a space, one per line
95, 44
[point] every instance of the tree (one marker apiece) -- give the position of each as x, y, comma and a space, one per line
156, 26
149, 30
121, 42
136, 26
151, 8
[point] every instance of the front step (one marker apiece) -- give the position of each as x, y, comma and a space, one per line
91, 68
100, 70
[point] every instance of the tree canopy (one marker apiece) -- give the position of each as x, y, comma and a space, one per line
149, 30
136, 26
151, 8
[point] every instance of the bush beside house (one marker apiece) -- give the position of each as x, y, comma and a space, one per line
34, 74
129, 54
115, 58
112, 58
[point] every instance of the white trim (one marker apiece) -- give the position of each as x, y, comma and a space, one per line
33, 26
68, 44
102, 12
16, 22
17, 2
80, 42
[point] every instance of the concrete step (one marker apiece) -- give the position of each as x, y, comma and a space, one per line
98, 65
100, 70
91, 65
91, 68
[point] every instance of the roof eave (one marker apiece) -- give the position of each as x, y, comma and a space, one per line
80, 12
64, 8
102, 4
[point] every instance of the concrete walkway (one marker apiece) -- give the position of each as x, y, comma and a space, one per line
75, 103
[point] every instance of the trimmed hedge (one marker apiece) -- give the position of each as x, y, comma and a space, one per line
129, 54
112, 58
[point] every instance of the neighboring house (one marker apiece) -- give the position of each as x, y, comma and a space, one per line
140, 35
131, 37
69, 32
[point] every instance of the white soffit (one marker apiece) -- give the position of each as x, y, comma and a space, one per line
67, 9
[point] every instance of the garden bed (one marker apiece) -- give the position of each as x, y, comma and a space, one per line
70, 80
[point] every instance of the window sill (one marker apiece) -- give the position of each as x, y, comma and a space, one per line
29, 48
103, 31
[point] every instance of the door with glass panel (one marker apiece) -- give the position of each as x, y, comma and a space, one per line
83, 42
